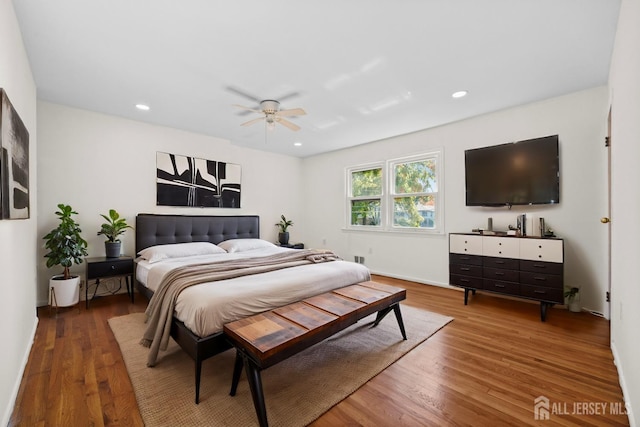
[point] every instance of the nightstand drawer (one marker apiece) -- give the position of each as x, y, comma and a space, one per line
117, 267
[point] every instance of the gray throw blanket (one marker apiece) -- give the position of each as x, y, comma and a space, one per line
161, 306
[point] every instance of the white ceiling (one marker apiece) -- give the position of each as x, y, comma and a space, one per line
363, 70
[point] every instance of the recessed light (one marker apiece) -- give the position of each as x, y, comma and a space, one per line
297, 144
459, 94
143, 107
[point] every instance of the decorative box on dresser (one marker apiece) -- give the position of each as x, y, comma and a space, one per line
524, 267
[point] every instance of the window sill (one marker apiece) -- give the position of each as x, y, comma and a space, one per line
415, 232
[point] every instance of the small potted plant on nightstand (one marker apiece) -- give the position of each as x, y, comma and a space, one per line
66, 247
283, 225
114, 227
573, 299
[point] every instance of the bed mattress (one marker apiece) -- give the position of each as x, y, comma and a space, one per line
206, 307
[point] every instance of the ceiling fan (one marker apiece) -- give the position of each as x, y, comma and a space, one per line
272, 114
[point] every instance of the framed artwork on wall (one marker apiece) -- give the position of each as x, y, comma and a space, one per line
14, 162
193, 182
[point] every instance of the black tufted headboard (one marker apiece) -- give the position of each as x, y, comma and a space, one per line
152, 229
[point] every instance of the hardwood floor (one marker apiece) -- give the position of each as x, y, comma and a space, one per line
484, 368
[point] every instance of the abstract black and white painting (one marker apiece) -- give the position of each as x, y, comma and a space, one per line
194, 182
14, 162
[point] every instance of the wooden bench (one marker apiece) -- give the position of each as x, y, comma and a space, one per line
271, 337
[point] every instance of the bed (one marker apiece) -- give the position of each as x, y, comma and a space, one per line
201, 310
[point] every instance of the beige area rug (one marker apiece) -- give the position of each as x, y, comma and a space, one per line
297, 391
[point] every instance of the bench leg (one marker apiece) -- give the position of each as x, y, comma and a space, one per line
381, 315
396, 309
237, 370
255, 384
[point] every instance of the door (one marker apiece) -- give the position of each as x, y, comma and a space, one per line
606, 220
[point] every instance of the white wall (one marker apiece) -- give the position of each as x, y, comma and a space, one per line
578, 118
17, 237
624, 80
96, 162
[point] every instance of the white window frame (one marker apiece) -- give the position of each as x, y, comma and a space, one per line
388, 194
350, 197
438, 216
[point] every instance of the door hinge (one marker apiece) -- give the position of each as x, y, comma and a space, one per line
608, 296
606, 141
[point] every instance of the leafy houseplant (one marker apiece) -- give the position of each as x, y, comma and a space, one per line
573, 298
114, 227
66, 247
284, 224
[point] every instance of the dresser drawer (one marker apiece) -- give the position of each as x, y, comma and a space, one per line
501, 287
542, 293
501, 247
117, 267
541, 267
549, 250
465, 281
537, 279
508, 263
501, 274
465, 259
466, 270
465, 244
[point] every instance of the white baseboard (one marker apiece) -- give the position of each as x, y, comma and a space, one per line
623, 384
415, 279
16, 386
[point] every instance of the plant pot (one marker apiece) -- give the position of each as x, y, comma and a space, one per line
112, 249
283, 238
64, 292
574, 305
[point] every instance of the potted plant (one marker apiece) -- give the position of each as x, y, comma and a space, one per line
283, 235
573, 299
66, 247
114, 227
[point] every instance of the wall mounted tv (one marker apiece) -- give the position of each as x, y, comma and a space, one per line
519, 173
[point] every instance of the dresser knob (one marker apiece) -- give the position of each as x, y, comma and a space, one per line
113, 267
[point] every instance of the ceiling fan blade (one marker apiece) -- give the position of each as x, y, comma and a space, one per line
247, 108
292, 112
287, 123
250, 122
243, 94
288, 96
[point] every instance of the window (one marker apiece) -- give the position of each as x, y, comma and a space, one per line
411, 202
365, 196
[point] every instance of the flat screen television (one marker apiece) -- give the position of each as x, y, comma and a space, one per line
519, 173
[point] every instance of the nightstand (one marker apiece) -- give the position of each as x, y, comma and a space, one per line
291, 245
103, 268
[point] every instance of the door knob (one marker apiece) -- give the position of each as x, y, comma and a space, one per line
605, 220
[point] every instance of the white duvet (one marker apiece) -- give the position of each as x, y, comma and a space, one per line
205, 308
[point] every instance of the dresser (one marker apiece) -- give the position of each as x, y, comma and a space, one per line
524, 267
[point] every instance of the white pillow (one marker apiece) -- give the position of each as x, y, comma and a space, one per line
240, 245
158, 253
